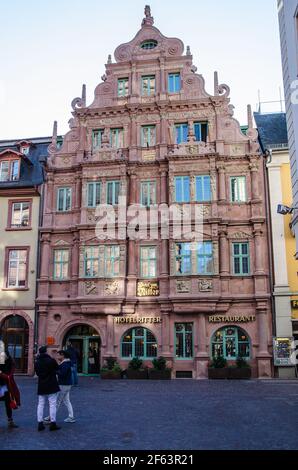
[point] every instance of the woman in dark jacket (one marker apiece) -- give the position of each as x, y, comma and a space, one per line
46, 368
8, 389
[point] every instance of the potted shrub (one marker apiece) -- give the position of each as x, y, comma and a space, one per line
136, 370
218, 368
242, 370
160, 370
111, 370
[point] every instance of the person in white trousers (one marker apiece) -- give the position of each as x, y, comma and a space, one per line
64, 374
46, 369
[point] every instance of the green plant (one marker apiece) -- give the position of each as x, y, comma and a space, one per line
160, 363
110, 363
219, 362
135, 364
242, 363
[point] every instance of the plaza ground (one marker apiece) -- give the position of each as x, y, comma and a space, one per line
148, 415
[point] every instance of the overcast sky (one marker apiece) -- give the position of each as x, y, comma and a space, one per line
48, 48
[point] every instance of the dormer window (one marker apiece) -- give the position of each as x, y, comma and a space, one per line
9, 170
24, 150
147, 45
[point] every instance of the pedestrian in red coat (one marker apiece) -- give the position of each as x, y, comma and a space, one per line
9, 392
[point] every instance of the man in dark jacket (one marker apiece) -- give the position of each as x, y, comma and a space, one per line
48, 388
74, 357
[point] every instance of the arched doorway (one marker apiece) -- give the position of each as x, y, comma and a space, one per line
86, 340
231, 342
15, 334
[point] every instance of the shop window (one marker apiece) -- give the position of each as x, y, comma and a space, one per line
148, 262
123, 87
93, 194
20, 214
148, 85
238, 188
148, 193
117, 138
182, 189
203, 189
231, 343
181, 133
61, 264
138, 342
17, 267
174, 82
113, 190
184, 340
112, 261
201, 131
241, 259
148, 136
63, 199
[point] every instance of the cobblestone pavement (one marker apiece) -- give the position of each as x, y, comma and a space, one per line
148, 415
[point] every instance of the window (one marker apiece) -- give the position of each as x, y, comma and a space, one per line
112, 261
97, 138
123, 87
148, 136
117, 138
231, 343
20, 214
203, 189
147, 45
9, 170
64, 200
17, 268
205, 258
113, 189
241, 259
139, 342
25, 150
201, 131
184, 340
61, 264
181, 133
93, 194
238, 189
182, 189
183, 258
174, 83
148, 85
148, 261
148, 193
91, 261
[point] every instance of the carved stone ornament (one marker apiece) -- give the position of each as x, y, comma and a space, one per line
183, 287
112, 288
195, 148
240, 236
205, 285
90, 288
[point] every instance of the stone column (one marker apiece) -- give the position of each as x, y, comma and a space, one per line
49, 193
259, 260
133, 189
202, 357
254, 169
75, 260
163, 129
163, 187
224, 256
263, 356
45, 256
110, 336
165, 333
162, 76
131, 258
78, 192
164, 258
42, 327
222, 183
263, 332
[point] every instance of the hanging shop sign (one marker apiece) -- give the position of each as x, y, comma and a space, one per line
294, 304
232, 319
283, 349
148, 289
137, 320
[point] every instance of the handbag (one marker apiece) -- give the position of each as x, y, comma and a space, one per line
12, 401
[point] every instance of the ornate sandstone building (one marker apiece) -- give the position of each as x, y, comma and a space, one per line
154, 136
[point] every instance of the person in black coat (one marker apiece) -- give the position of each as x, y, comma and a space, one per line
46, 369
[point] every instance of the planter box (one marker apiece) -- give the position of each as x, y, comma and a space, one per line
243, 373
218, 374
136, 374
110, 375
155, 374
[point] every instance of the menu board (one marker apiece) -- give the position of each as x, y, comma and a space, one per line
283, 349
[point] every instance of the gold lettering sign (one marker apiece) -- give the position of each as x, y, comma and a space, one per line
294, 304
137, 320
232, 319
148, 289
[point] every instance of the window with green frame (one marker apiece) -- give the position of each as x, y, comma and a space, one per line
93, 194
201, 131
174, 82
63, 199
112, 261
148, 85
238, 188
183, 258
148, 261
203, 188
91, 261
205, 258
113, 189
138, 342
117, 138
182, 189
148, 193
123, 86
97, 138
61, 264
148, 136
184, 340
181, 133
230, 342
241, 259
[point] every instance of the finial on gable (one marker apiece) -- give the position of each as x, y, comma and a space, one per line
188, 52
249, 117
216, 83
55, 133
109, 59
148, 20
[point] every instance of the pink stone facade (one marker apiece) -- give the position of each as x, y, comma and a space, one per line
100, 301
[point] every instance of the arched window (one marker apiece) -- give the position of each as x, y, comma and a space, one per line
139, 342
147, 45
231, 342
15, 334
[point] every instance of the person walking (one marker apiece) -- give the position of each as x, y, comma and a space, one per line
46, 368
74, 357
64, 374
9, 392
